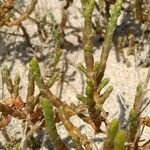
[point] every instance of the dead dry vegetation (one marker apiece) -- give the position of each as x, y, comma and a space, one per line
78, 62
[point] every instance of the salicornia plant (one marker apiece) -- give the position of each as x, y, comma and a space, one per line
44, 110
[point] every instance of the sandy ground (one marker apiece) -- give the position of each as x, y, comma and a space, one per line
123, 79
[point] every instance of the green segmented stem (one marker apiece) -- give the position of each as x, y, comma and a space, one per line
7, 79
35, 68
58, 54
103, 84
89, 89
30, 92
88, 7
133, 125
50, 124
112, 132
108, 39
81, 98
138, 98
96, 67
16, 85
83, 69
55, 76
105, 95
120, 140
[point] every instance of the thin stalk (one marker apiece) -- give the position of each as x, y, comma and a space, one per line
79, 139
108, 39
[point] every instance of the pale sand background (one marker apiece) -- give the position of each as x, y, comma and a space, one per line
123, 79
